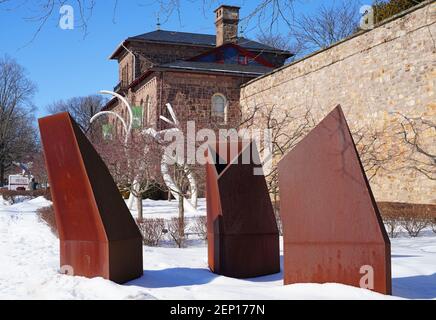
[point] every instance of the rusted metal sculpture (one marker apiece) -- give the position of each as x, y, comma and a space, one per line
98, 236
243, 239
333, 231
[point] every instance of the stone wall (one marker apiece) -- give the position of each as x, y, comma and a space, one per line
126, 65
377, 76
147, 97
191, 96
150, 54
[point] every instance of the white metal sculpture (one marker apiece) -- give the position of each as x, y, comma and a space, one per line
189, 204
127, 127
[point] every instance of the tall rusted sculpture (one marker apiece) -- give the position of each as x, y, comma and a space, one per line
333, 231
243, 239
98, 236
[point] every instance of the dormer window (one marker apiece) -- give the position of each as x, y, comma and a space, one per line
243, 60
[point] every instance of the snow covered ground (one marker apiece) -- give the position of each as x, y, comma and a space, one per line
29, 256
166, 209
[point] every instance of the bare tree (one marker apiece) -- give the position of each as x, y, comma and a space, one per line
309, 32
375, 151
279, 41
38, 169
40, 12
418, 134
268, 12
275, 40
181, 171
134, 166
176, 230
325, 27
414, 223
392, 224
286, 126
82, 109
17, 133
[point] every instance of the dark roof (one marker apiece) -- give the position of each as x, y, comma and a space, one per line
177, 37
196, 39
235, 69
112, 102
207, 40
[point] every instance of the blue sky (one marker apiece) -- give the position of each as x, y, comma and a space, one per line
64, 63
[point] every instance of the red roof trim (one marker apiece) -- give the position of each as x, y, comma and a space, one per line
241, 50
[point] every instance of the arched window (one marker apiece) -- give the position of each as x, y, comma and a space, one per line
147, 111
143, 120
219, 107
116, 126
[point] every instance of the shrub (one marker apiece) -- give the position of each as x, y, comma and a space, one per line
176, 228
279, 222
41, 193
384, 9
393, 224
412, 217
433, 225
200, 227
415, 223
14, 196
47, 215
151, 230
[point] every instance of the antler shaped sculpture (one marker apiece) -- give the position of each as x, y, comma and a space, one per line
191, 204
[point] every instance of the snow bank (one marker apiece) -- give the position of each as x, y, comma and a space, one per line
30, 260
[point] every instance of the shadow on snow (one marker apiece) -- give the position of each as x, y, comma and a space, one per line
183, 277
416, 287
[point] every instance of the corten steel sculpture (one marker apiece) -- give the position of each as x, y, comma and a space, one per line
333, 231
98, 236
243, 239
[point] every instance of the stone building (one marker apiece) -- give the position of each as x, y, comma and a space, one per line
198, 74
379, 77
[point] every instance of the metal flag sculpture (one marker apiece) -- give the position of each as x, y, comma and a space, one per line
98, 236
243, 238
333, 231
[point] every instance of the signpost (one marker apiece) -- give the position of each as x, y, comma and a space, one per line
18, 182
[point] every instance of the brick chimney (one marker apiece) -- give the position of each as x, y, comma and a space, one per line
226, 21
